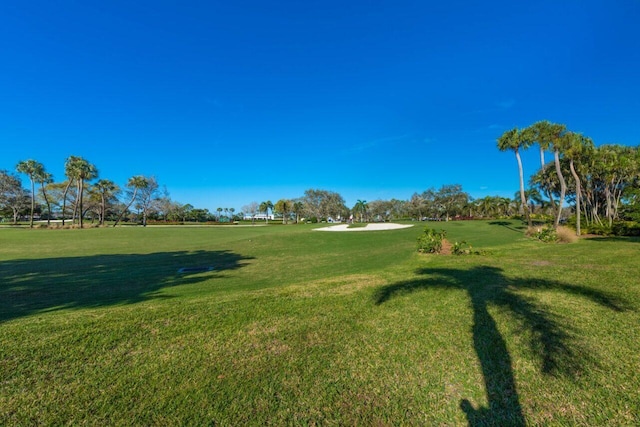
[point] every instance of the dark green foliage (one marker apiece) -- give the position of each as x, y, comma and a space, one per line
464, 248
431, 241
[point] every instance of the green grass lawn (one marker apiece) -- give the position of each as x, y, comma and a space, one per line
295, 327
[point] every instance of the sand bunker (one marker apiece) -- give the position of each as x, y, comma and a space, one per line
368, 227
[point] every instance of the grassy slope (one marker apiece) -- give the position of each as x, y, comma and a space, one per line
301, 327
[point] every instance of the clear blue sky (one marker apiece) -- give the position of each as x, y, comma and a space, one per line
229, 102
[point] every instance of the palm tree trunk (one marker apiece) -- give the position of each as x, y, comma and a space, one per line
46, 200
523, 198
80, 191
578, 196
133, 198
563, 187
64, 200
33, 202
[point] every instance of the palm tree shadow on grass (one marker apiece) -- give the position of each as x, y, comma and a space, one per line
552, 342
29, 286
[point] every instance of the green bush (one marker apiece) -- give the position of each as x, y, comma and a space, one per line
545, 234
431, 241
625, 228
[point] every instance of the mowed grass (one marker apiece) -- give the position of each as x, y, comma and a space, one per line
296, 327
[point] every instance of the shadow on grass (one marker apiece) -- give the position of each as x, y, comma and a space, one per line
509, 225
552, 342
615, 239
28, 286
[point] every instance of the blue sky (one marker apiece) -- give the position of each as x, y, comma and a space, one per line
229, 102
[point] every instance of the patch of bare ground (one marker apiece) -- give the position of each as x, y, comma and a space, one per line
540, 263
446, 247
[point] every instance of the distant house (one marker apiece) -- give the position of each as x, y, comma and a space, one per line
259, 216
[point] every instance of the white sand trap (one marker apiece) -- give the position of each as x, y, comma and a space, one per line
368, 227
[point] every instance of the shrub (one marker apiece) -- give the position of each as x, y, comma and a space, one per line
626, 228
431, 241
463, 248
566, 235
545, 234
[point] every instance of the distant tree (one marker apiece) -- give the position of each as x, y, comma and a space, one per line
323, 204
513, 140
219, 210
185, 211
418, 206
451, 199
232, 210
81, 171
284, 207
379, 210
13, 197
360, 208
32, 169
298, 208
264, 207
148, 197
45, 179
134, 185
107, 191
251, 209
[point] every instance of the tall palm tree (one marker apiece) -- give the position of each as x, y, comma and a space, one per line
78, 170
69, 172
44, 178
513, 140
550, 134
538, 133
135, 184
574, 146
32, 169
85, 171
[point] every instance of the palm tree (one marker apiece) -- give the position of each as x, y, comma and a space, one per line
264, 207
549, 135
70, 174
360, 207
44, 178
298, 207
232, 210
574, 145
32, 169
85, 171
78, 170
513, 140
135, 184
106, 189
219, 210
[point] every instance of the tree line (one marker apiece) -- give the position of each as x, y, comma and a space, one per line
602, 183
79, 195
599, 180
